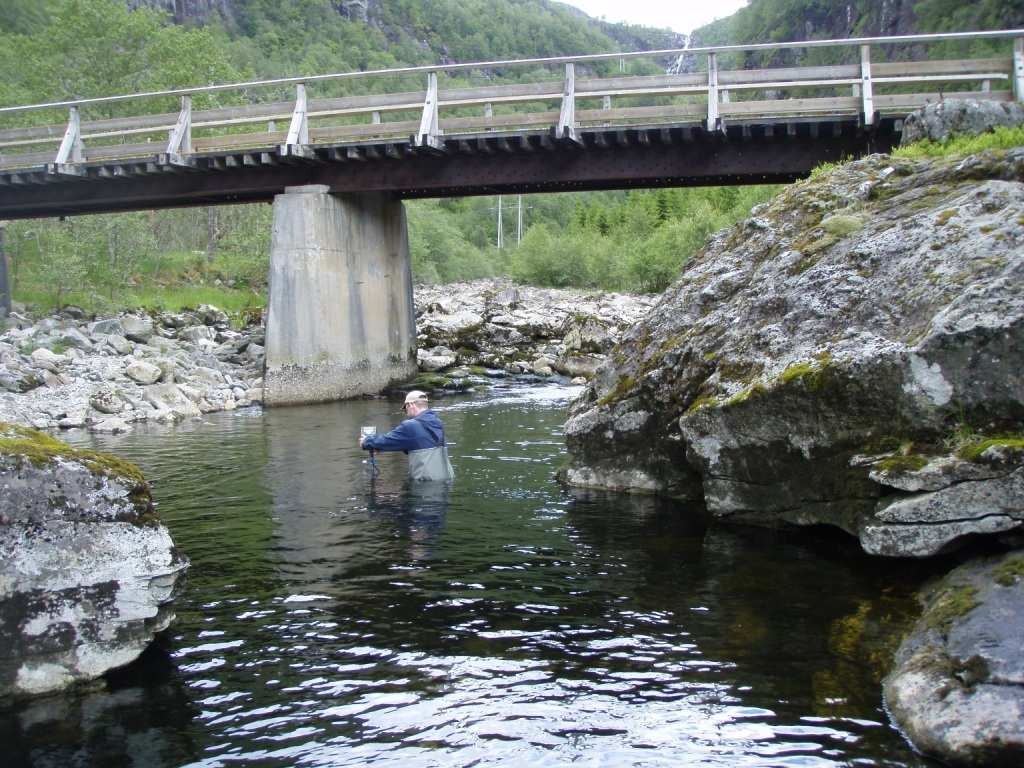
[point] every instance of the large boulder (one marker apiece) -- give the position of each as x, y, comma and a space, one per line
87, 572
957, 686
942, 119
866, 320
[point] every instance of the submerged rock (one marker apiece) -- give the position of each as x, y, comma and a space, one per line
868, 314
957, 687
87, 572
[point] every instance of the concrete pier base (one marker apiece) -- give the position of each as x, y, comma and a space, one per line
340, 319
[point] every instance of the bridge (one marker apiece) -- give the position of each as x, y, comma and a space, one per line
340, 319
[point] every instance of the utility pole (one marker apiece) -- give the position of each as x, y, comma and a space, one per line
519, 220
5, 283
501, 238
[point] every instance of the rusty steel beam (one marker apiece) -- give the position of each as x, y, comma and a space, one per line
758, 157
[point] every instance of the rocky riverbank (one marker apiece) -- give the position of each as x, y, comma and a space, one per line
69, 371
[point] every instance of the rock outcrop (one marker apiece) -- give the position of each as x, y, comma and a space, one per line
957, 688
851, 354
939, 121
87, 572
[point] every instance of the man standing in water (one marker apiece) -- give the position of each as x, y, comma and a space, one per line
421, 436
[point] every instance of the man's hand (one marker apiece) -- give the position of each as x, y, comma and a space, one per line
361, 438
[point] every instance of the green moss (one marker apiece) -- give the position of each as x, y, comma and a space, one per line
430, 381
740, 371
814, 375
1008, 571
988, 228
753, 391
41, 449
960, 145
705, 401
953, 603
884, 444
945, 216
842, 224
910, 463
710, 356
971, 451
623, 387
477, 370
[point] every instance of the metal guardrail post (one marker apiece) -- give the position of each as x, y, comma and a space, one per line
714, 121
429, 134
1018, 68
867, 95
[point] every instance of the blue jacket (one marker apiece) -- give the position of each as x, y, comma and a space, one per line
423, 431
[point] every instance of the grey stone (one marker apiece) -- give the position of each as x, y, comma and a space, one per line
196, 333
72, 337
142, 372
210, 315
171, 401
588, 334
137, 328
119, 344
111, 426
107, 400
85, 584
957, 684
107, 327
942, 119
47, 359
792, 343
929, 523
207, 376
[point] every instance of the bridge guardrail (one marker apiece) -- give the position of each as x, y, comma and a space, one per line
429, 119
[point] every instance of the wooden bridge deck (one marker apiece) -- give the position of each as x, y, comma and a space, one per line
710, 127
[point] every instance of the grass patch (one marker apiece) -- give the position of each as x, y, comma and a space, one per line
842, 224
962, 145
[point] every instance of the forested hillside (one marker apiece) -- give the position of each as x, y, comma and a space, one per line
59, 49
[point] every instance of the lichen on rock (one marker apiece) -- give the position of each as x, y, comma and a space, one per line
881, 298
87, 572
957, 687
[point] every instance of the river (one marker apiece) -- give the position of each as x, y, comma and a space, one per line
338, 617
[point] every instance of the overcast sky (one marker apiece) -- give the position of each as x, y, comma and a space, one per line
678, 15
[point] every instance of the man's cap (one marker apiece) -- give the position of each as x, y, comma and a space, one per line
415, 395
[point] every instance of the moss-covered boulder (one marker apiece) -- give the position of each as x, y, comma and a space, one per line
870, 314
957, 687
87, 572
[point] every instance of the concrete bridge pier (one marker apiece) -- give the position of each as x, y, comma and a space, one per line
340, 320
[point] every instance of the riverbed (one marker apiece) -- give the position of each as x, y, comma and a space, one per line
335, 615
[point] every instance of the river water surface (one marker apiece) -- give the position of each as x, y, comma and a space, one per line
337, 618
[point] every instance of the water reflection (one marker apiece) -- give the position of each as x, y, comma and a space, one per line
337, 617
